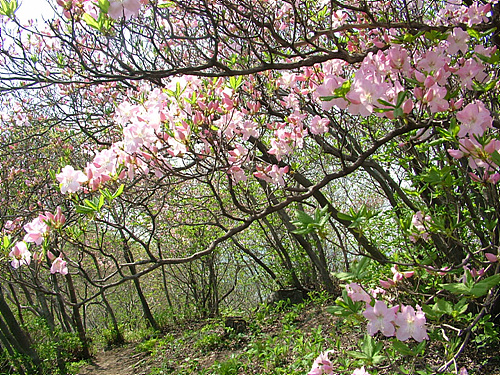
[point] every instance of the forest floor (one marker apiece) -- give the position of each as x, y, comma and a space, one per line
283, 342
118, 361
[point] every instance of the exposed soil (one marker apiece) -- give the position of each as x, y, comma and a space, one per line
118, 361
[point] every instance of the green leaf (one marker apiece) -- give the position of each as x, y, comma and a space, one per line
344, 276
107, 194
401, 98
90, 204
342, 216
8, 8
430, 313
495, 156
101, 202
360, 268
84, 209
484, 87
420, 348
6, 242
235, 82
482, 287
119, 191
91, 21
339, 311
304, 218
384, 102
167, 4
456, 288
460, 308
443, 306
402, 348
473, 33
103, 5
398, 112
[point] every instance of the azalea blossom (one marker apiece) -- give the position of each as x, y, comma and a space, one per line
458, 41
70, 179
360, 371
124, 8
491, 257
319, 125
356, 293
474, 119
411, 323
420, 223
322, 365
59, 266
56, 220
381, 318
398, 276
388, 283
20, 255
35, 230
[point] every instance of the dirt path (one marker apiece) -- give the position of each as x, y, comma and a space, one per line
119, 361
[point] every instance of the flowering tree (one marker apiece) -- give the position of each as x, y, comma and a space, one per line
363, 129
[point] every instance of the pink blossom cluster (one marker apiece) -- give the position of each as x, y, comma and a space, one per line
194, 119
474, 120
36, 232
456, 13
169, 127
397, 277
117, 8
377, 83
420, 226
492, 257
323, 366
401, 321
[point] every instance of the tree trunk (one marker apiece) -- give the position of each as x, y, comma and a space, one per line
77, 318
145, 307
16, 336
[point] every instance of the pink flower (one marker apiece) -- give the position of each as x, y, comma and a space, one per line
59, 266
474, 118
491, 257
420, 223
356, 293
375, 292
435, 99
20, 255
470, 71
398, 276
411, 324
56, 220
319, 125
458, 41
327, 89
322, 365
70, 179
387, 283
124, 8
477, 14
35, 230
272, 174
381, 318
237, 173
360, 371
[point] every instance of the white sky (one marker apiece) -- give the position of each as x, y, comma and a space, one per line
34, 9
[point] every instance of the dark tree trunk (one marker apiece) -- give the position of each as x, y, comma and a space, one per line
17, 337
145, 307
77, 318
